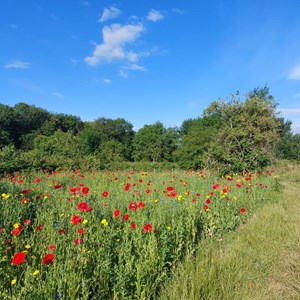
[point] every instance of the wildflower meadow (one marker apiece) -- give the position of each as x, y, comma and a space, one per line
113, 235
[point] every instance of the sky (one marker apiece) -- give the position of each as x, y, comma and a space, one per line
148, 61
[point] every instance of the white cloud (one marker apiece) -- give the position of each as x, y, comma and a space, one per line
115, 37
58, 95
123, 73
136, 67
294, 73
177, 11
155, 15
107, 81
109, 13
17, 64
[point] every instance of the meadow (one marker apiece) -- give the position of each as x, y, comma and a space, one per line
114, 235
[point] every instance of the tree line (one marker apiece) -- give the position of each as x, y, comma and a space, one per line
233, 134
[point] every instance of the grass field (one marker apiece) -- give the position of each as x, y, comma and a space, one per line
123, 235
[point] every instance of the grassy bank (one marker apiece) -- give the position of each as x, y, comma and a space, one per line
261, 260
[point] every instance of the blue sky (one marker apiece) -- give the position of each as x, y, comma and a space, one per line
148, 61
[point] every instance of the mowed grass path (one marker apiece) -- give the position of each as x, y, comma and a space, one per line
259, 261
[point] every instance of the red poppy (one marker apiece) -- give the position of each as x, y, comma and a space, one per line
147, 228
126, 217
39, 227
19, 258
205, 207
58, 186
36, 180
105, 194
140, 180
48, 259
242, 210
78, 241
16, 231
207, 201
127, 187
61, 231
141, 204
148, 191
76, 219
216, 186
170, 188
80, 230
132, 206
73, 190
117, 213
26, 191
85, 190
51, 247
133, 225
27, 222
83, 206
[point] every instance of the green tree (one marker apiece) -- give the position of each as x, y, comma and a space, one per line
248, 134
148, 143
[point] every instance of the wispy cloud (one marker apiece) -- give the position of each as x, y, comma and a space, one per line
123, 73
294, 73
17, 64
177, 11
27, 85
115, 38
110, 13
107, 81
136, 67
155, 15
58, 95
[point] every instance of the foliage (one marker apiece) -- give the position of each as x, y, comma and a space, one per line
249, 132
112, 235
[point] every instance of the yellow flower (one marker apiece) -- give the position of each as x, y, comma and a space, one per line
14, 281
61, 215
5, 196
104, 222
27, 246
234, 197
16, 225
84, 221
169, 227
155, 200
179, 197
36, 272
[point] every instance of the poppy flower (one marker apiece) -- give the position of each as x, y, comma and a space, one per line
205, 207
48, 259
126, 217
16, 231
133, 225
141, 204
58, 186
127, 187
76, 219
39, 227
117, 213
170, 188
242, 210
51, 247
78, 241
19, 258
132, 206
85, 190
105, 194
80, 230
83, 206
216, 186
147, 228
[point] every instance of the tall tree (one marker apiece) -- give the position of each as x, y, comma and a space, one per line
249, 131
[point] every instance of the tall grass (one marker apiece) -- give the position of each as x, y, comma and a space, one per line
261, 260
114, 235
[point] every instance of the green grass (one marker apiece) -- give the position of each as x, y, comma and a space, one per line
261, 260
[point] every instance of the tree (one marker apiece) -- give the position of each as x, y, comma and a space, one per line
248, 134
196, 136
148, 143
